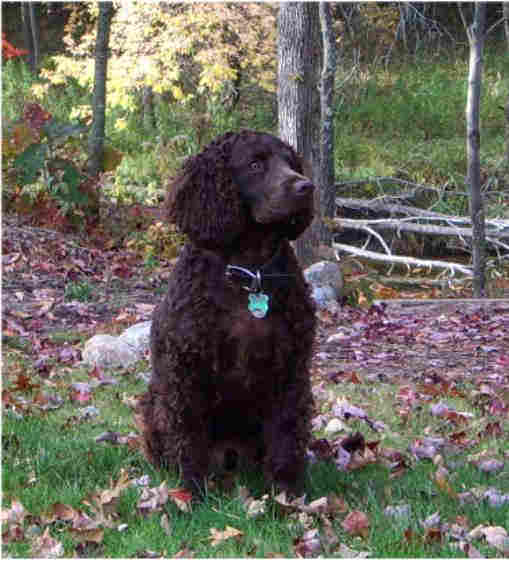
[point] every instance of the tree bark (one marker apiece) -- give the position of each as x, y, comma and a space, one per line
96, 137
149, 116
506, 21
326, 176
506, 27
299, 64
507, 132
476, 36
31, 34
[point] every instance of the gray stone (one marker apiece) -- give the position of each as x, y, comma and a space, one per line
326, 282
108, 351
137, 336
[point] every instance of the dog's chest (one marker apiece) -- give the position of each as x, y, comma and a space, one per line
251, 344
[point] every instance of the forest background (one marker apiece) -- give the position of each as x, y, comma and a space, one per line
412, 401
179, 75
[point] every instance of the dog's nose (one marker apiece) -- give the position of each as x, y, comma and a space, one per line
303, 186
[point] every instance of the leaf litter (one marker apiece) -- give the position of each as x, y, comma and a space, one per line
431, 356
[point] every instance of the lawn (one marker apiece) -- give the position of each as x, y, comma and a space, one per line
409, 460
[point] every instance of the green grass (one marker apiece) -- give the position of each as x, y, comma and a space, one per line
52, 457
410, 118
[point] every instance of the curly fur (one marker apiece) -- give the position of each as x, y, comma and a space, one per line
220, 376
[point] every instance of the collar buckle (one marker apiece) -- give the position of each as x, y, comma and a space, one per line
256, 278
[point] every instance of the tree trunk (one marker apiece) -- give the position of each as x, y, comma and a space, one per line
506, 27
31, 34
326, 176
299, 64
507, 132
96, 137
149, 116
476, 35
506, 21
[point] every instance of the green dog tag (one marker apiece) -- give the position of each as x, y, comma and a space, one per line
258, 304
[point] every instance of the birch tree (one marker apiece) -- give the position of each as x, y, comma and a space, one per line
506, 27
326, 174
476, 35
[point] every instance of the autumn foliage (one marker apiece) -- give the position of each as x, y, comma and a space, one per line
9, 51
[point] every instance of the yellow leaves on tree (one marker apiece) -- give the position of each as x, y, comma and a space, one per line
188, 50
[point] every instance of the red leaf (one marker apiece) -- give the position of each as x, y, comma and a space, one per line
356, 523
181, 497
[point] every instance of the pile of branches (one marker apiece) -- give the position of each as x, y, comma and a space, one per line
400, 217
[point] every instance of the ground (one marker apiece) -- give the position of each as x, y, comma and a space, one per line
410, 428
53, 284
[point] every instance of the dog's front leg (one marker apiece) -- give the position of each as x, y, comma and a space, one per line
286, 435
194, 448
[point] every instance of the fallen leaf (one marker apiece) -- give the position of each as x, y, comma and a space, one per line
492, 429
432, 520
88, 535
309, 545
322, 449
46, 546
165, 524
442, 481
398, 512
58, 512
346, 552
15, 514
329, 536
490, 465
356, 523
184, 553
495, 497
153, 499
497, 537
218, 537
342, 459
103, 503
433, 534
182, 498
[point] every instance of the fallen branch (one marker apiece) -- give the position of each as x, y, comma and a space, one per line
384, 204
403, 260
402, 224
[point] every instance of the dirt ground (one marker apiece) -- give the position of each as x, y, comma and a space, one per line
413, 339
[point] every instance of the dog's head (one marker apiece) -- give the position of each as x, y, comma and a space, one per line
239, 180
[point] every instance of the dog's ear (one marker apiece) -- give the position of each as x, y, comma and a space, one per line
203, 200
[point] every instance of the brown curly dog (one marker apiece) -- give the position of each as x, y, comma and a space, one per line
231, 341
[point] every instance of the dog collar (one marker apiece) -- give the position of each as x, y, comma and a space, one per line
258, 280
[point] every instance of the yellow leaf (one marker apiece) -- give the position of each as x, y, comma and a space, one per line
218, 537
442, 481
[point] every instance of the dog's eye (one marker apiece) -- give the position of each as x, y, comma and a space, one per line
256, 166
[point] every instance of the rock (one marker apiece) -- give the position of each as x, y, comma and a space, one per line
138, 336
107, 351
334, 426
326, 281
